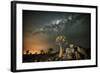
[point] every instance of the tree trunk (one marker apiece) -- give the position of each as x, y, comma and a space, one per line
60, 52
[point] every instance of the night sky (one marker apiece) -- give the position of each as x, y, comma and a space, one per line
40, 29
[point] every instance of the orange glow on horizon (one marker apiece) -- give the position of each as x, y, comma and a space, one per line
36, 43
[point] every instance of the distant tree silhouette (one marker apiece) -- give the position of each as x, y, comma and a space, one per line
42, 51
35, 53
50, 50
30, 53
27, 52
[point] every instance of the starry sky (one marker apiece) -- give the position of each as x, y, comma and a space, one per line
40, 29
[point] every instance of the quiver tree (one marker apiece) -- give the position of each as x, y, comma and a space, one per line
60, 40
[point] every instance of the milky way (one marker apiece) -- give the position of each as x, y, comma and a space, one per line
48, 25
